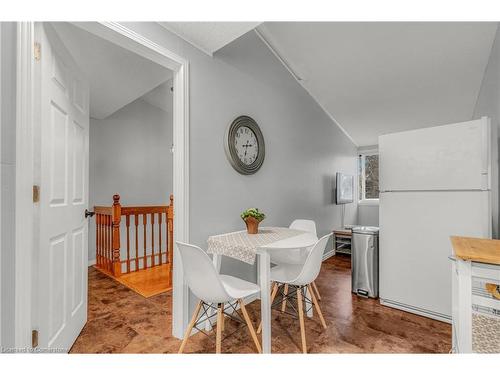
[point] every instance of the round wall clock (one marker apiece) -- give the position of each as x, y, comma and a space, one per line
244, 145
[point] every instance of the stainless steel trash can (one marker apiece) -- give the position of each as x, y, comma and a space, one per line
364, 258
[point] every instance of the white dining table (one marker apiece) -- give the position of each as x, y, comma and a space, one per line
241, 245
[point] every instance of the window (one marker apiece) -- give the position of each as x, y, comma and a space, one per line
368, 178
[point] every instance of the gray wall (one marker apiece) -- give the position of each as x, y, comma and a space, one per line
488, 104
304, 148
7, 171
130, 155
368, 215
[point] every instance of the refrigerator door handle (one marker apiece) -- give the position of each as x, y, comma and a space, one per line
486, 155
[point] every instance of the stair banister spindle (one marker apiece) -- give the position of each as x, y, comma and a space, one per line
117, 214
107, 242
127, 223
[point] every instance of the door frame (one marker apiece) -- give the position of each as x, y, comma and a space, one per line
26, 171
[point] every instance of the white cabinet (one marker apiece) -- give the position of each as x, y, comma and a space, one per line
475, 312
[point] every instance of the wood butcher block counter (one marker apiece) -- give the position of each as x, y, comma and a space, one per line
477, 249
475, 295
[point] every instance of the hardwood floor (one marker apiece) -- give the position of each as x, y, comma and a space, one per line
147, 282
122, 321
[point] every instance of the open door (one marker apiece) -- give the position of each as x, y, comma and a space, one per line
64, 159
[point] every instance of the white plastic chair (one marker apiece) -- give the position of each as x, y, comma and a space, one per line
305, 225
296, 256
300, 277
212, 288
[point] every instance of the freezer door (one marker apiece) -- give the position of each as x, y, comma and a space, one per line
449, 157
415, 230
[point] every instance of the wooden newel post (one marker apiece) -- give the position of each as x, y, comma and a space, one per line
117, 213
171, 237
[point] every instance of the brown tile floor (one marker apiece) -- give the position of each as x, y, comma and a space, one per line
122, 321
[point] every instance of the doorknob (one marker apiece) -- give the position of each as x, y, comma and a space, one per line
88, 213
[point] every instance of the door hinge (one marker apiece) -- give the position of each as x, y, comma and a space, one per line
34, 338
36, 193
37, 51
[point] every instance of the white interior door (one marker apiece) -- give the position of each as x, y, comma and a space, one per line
64, 156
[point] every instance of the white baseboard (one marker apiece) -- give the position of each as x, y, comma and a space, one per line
328, 254
91, 262
251, 298
415, 310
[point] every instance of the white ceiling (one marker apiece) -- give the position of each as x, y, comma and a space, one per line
117, 76
209, 36
377, 78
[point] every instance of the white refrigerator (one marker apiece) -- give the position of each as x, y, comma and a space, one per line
434, 183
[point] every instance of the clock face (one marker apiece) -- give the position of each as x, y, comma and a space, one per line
244, 145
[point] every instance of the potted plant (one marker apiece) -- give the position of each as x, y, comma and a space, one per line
252, 217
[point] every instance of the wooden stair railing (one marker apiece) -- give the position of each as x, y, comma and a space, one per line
108, 237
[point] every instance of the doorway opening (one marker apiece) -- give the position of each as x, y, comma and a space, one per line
61, 141
130, 161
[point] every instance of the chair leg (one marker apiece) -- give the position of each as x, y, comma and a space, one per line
316, 290
223, 321
273, 296
301, 320
194, 318
285, 293
250, 325
220, 308
316, 305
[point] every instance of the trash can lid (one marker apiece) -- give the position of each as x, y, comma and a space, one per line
365, 230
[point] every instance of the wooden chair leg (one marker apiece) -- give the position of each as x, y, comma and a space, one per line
301, 320
223, 321
316, 305
218, 338
194, 318
274, 287
285, 293
250, 326
316, 290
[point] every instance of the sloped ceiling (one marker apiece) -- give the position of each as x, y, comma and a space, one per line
161, 97
209, 36
378, 78
117, 76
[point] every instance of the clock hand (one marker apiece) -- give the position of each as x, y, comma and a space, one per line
246, 148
